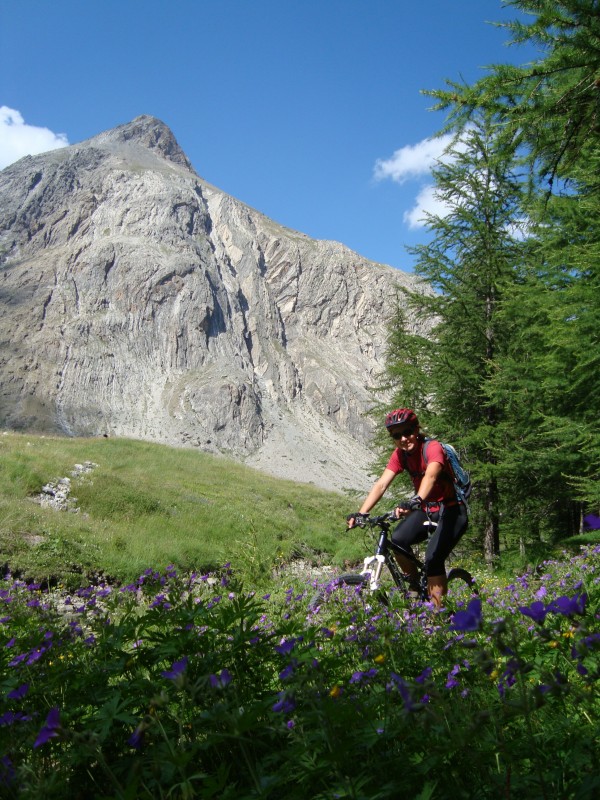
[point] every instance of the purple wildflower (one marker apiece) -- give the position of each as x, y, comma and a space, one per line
590, 642
537, 611
402, 687
50, 729
9, 717
221, 680
7, 771
18, 694
424, 675
137, 737
508, 677
286, 646
177, 669
469, 619
289, 670
35, 655
359, 676
451, 682
285, 705
161, 601
569, 605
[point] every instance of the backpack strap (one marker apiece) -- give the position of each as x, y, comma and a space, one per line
459, 495
425, 446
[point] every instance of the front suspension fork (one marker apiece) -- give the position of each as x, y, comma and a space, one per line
372, 566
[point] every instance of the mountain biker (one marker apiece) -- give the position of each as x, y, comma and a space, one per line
435, 500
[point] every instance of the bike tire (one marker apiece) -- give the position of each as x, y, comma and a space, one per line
461, 582
324, 593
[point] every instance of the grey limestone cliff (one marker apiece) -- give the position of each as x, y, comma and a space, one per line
138, 300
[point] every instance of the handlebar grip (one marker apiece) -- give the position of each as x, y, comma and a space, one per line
359, 519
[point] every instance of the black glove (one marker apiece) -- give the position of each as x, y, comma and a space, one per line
414, 504
359, 519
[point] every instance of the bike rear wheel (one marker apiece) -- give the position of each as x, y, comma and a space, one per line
345, 585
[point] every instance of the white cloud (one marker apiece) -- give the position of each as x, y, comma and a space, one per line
17, 139
415, 162
428, 201
412, 160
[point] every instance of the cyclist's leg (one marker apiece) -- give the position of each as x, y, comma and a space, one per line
451, 526
410, 531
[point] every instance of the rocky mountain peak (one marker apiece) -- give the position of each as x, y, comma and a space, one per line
140, 301
148, 132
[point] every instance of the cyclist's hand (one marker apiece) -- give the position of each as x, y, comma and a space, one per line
402, 509
414, 504
356, 519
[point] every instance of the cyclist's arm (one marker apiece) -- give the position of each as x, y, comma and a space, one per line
431, 475
379, 489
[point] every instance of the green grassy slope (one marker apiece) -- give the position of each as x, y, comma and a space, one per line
146, 505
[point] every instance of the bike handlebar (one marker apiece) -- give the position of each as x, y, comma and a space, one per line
363, 521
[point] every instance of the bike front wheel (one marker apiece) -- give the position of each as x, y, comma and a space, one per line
341, 587
461, 584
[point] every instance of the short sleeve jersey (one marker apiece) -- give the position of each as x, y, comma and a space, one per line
443, 488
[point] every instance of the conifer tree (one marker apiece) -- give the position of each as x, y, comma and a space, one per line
551, 106
549, 110
512, 371
469, 263
549, 377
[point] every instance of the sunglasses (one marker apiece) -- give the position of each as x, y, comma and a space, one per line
397, 435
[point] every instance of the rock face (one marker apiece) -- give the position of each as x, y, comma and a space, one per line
138, 300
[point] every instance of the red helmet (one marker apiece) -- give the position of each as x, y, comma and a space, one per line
400, 416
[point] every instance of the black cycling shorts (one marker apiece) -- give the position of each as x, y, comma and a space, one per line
452, 523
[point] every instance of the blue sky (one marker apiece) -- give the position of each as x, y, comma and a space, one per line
309, 111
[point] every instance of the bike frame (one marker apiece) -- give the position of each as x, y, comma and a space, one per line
370, 576
373, 565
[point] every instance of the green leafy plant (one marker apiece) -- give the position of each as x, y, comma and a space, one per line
187, 685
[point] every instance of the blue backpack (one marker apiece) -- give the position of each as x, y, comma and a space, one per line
460, 477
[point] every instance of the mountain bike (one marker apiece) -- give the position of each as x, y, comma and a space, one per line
371, 577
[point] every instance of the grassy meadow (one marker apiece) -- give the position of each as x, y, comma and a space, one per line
146, 505
151, 648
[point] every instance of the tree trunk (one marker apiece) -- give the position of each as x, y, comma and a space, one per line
491, 530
